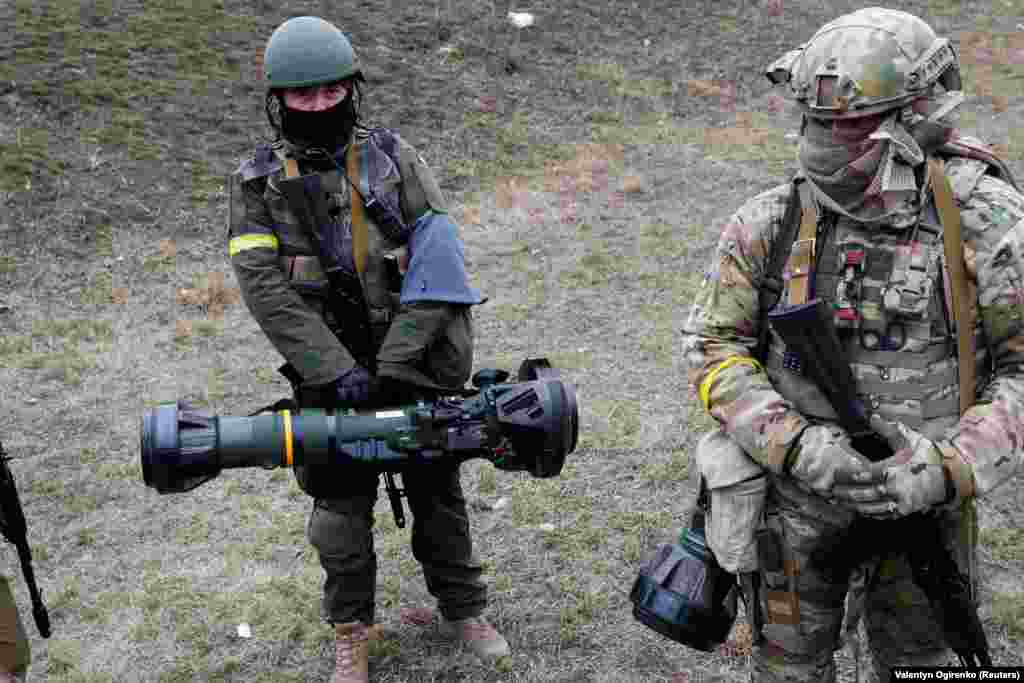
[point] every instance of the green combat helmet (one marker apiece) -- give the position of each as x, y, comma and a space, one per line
305, 51
867, 62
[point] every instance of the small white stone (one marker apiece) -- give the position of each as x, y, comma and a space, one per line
500, 503
244, 631
546, 526
521, 19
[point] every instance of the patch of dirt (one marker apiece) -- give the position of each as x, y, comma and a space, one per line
595, 190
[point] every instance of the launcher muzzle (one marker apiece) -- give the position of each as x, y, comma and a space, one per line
529, 425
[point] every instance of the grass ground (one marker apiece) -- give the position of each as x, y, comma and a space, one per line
589, 178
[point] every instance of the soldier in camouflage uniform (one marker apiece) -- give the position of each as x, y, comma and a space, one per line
877, 88
15, 652
421, 327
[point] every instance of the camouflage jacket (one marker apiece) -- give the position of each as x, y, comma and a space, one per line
762, 416
421, 341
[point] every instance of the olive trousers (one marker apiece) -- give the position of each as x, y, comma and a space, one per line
341, 530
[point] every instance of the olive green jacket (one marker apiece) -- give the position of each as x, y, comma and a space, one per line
282, 284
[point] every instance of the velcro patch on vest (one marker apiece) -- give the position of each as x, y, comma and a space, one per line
782, 607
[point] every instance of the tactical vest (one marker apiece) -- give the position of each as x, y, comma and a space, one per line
892, 310
379, 174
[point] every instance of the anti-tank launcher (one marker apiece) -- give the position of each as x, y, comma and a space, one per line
529, 425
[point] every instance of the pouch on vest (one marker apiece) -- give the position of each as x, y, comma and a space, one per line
737, 488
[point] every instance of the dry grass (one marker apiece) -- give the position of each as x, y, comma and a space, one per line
1005, 544
1008, 611
25, 159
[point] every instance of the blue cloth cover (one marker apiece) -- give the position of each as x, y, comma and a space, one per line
437, 267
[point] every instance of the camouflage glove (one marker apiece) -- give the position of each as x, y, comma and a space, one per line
912, 480
822, 452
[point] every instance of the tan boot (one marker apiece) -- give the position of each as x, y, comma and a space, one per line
352, 647
478, 635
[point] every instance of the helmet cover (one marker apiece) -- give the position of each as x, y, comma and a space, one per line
867, 62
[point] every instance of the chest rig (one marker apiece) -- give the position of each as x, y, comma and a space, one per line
893, 307
884, 288
359, 217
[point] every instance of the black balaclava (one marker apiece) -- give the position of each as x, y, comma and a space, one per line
329, 130
318, 132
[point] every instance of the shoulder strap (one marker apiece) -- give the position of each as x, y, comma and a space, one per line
291, 168
801, 255
360, 236
263, 162
770, 291
949, 217
386, 141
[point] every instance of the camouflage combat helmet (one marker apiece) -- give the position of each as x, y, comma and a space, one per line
305, 51
867, 62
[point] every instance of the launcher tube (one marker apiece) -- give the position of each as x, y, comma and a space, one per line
527, 426
311, 437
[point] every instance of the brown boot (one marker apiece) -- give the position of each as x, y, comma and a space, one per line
352, 646
478, 635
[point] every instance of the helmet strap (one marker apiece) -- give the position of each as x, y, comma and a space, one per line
934, 127
273, 105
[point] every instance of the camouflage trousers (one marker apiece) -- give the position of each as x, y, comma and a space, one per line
341, 531
894, 610
14, 647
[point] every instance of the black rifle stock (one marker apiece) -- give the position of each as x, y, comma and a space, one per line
808, 331
15, 530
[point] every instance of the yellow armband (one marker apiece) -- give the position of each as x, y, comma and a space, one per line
252, 241
705, 386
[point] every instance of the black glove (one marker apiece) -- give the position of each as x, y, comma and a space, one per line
354, 387
389, 391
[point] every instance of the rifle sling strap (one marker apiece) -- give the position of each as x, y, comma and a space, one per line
961, 291
772, 284
800, 265
291, 168
360, 237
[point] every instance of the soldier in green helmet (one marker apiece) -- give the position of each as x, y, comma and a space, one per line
884, 177
347, 259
